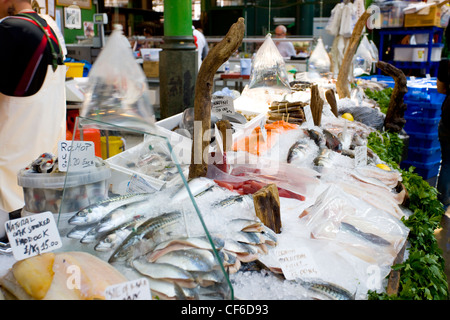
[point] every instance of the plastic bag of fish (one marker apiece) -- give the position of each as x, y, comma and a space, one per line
373, 234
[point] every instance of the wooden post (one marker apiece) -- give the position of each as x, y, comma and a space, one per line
344, 71
220, 53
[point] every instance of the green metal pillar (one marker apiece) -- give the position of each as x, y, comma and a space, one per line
178, 65
306, 18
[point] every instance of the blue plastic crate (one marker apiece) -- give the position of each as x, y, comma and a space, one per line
435, 96
424, 155
425, 170
421, 125
423, 140
423, 109
417, 93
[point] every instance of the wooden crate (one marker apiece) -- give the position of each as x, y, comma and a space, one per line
433, 18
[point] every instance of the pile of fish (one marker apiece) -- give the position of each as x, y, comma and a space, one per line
152, 159
327, 148
155, 236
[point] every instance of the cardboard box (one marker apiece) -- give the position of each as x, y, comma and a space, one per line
151, 69
432, 18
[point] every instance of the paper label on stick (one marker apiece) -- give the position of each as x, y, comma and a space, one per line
308, 116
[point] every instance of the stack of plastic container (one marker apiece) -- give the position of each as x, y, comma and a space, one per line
422, 117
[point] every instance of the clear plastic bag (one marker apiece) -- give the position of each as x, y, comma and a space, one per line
348, 20
268, 68
334, 23
364, 58
345, 219
319, 61
117, 91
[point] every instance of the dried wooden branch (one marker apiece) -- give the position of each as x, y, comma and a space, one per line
344, 71
224, 127
331, 98
220, 53
267, 206
394, 276
395, 120
316, 105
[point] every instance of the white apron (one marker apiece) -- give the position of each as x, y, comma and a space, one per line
29, 126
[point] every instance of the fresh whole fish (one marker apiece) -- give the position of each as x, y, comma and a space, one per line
208, 278
247, 225
324, 159
196, 186
124, 214
145, 231
298, 151
373, 238
327, 290
114, 238
316, 136
248, 237
185, 243
246, 199
171, 291
96, 211
190, 260
332, 141
269, 236
164, 271
79, 231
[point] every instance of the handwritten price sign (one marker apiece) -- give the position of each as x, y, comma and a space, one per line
79, 156
33, 235
138, 289
222, 105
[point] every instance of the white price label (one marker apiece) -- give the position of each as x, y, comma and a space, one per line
138, 184
308, 116
138, 289
360, 156
79, 156
297, 263
33, 235
222, 105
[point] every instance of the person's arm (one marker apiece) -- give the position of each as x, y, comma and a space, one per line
443, 77
441, 86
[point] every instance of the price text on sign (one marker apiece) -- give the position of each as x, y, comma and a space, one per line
33, 235
297, 263
81, 155
222, 105
138, 289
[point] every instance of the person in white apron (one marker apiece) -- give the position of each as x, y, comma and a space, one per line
29, 125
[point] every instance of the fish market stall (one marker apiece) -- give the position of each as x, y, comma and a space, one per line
295, 201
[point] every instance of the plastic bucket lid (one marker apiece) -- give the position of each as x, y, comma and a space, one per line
29, 179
